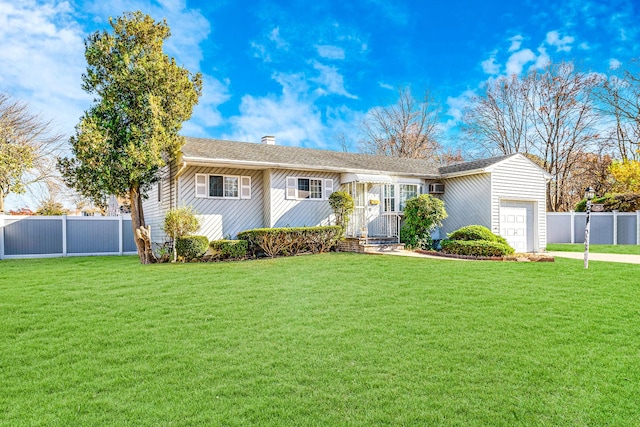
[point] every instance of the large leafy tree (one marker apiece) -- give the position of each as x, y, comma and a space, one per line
142, 97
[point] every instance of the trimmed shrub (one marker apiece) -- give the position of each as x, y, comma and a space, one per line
228, 249
342, 204
422, 215
476, 248
627, 202
476, 232
290, 241
191, 247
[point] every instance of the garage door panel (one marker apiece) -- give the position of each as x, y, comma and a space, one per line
517, 225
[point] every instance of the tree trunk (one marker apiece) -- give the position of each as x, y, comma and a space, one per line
1, 203
141, 233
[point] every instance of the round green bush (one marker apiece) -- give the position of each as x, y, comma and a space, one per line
192, 247
476, 232
476, 248
422, 214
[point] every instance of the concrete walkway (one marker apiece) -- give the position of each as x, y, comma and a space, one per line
629, 259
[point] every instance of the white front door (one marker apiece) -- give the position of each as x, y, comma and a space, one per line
516, 225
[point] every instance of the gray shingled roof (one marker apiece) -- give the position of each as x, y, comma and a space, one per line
254, 154
472, 165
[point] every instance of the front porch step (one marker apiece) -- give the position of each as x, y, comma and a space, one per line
371, 245
382, 247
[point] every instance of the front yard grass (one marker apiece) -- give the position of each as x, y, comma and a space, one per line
332, 339
602, 249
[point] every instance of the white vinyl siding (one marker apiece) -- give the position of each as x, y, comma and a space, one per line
285, 209
467, 200
517, 179
222, 186
223, 217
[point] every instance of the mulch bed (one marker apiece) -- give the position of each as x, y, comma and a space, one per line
513, 258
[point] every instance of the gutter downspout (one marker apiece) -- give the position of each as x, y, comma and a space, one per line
181, 169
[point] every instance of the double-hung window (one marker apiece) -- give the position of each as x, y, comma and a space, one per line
389, 197
407, 191
223, 186
308, 188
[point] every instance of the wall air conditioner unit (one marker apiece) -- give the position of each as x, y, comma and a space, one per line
436, 188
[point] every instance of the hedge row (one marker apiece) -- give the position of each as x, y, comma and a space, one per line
191, 247
476, 248
290, 241
222, 250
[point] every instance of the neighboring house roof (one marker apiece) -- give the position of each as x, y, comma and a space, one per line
260, 155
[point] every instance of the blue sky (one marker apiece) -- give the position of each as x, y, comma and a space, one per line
308, 71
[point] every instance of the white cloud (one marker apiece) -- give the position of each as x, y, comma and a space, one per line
518, 60
330, 81
275, 37
614, 64
291, 116
584, 46
543, 58
330, 52
206, 113
44, 47
516, 42
562, 44
386, 86
490, 66
188, 26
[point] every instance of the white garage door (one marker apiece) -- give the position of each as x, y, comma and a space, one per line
516, 225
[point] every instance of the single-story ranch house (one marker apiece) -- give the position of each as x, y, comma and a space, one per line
236, 186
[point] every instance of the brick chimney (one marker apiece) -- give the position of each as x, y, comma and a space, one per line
268, 139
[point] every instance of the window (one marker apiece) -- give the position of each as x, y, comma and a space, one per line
407, 191
308, 188
389, 197
223, 186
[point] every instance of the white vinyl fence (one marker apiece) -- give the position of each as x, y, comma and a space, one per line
61, 236
607, 228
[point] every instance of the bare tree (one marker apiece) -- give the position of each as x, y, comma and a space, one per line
564, 122
408, 128
548, 114
498, 119
27, 149
620, 96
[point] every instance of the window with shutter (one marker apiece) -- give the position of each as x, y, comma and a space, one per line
292, 184
201, 185
328, 188
245, 187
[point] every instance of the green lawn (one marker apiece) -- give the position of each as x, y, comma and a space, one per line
323, 340
602, 249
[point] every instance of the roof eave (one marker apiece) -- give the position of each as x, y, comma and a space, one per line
205, 161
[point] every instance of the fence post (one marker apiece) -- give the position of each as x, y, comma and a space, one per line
573, 226
638, 227
120, 237
615, 227
64, 235
2, 236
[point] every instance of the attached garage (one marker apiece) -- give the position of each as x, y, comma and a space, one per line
505, 194
517, 225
